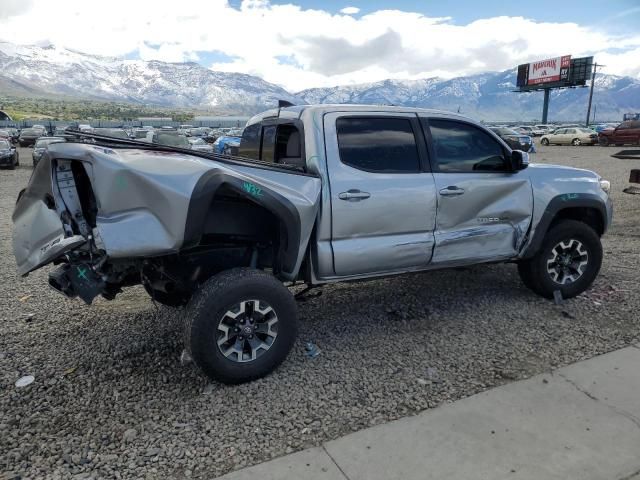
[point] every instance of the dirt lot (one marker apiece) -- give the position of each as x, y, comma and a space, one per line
111, 398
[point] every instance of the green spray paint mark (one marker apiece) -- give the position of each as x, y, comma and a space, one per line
252, 189
569, 196
82, 273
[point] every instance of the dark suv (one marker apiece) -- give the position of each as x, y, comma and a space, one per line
626, 133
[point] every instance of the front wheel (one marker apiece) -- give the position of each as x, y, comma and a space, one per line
603, 141
545, 142
576, 142
240, 325
568, 260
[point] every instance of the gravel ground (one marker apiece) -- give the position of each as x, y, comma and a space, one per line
111, 398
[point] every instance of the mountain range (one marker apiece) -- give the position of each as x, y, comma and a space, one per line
55, 71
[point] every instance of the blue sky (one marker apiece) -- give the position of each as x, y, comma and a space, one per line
603, 14
301, 44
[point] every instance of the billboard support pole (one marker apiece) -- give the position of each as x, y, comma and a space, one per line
593, 81
545, 105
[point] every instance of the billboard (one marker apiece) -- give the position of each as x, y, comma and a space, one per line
555, 72
549, 70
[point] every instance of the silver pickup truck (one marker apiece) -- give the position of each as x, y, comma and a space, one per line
316, 194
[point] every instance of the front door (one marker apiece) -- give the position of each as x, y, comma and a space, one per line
484, 209
383, 200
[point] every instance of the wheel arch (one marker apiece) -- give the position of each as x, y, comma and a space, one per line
207, 191
585, 207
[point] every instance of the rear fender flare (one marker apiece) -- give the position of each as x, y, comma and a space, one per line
206, 189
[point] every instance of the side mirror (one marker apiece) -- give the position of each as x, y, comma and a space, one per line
519, 160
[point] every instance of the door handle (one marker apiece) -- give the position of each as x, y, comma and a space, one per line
451, 191
354, 195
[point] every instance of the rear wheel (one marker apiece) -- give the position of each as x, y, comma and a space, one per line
545, 142
604, 141
576, 142
240, 325
568, 260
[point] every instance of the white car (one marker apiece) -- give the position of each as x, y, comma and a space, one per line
200, 145
570, 136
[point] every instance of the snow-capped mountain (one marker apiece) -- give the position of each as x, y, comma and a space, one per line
51, 70
490, 96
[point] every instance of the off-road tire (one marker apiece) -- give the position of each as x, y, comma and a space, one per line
209, 305
173, 300
545, 142
534, 271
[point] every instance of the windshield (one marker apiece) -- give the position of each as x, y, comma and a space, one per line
171, 139
44, 142
197, 141
4, 145
31, 131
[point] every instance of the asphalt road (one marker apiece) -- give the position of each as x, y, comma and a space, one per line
111, 398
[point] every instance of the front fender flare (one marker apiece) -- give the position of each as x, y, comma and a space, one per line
555, 206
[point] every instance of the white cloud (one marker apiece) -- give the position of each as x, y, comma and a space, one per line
301, 48
350, 10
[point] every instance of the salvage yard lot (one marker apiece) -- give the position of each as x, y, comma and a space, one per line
110, 394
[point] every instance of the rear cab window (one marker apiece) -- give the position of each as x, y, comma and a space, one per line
273, 142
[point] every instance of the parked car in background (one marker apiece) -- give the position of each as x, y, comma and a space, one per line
60, 131
171, 138
14, 133
140, 133
626, 133
9, 156
515, 140
227, 145
5, 135
41, 145
200, 145
28, 136
112, 132
570, 136
528, 130
199, 132
83, 127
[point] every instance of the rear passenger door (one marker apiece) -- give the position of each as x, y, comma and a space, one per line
383, 201
484, 209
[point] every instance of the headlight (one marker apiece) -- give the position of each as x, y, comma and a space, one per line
605, 185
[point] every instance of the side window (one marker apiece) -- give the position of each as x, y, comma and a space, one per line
561, 131
571, 131
460, 147
267, 149
250, 142
288, 149
378, 144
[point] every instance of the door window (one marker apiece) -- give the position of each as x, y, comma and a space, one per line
384, 145
460, 147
